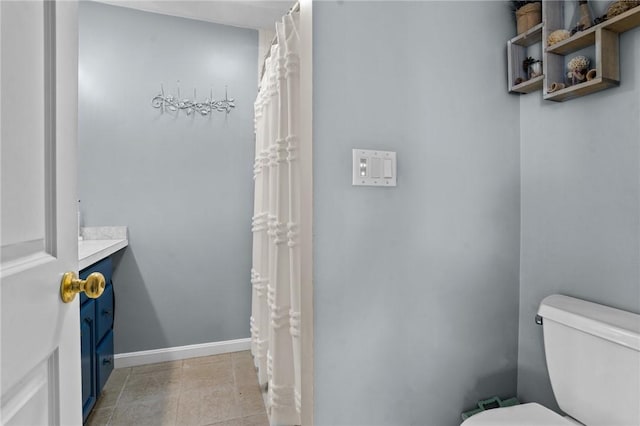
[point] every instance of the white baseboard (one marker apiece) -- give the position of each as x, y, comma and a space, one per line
132, 359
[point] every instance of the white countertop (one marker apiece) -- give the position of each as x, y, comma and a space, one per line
92, 250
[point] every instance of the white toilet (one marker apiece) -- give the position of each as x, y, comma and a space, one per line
593, 357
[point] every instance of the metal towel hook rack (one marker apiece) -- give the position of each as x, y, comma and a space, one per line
176, 103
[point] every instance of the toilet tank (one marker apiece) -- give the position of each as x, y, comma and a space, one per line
593, 357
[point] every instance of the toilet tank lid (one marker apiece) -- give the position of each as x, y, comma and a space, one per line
612, 324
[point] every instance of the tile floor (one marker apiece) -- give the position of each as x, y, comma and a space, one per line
219, 390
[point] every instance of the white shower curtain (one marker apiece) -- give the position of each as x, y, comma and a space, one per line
275, 274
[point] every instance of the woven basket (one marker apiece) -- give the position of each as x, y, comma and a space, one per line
528, 16
621, 6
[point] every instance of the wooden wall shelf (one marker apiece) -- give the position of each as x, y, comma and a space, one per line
604, 37
581, 89
576, 42
621, 23
528, 38
516, 53
606, 66
529, 86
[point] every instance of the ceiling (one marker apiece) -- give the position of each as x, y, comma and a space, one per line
256, 14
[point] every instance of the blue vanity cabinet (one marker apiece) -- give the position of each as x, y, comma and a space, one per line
104, 313
104, 360
96, 326
88, 357
104, 333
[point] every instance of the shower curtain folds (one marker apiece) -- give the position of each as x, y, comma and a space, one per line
275, 273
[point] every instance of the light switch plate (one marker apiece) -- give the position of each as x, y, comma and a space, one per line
374, 168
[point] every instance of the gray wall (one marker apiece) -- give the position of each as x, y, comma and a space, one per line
580, 207
416, 287
182, 184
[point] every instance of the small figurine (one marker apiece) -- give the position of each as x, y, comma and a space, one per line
578, 67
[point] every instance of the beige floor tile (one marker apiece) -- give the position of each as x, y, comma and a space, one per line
245, 377
244, 364
156, 412
244, 371
242, 358
259, 420
219, 389
99, 417
108, 398
160, 366
206, 406
223, 358
117, 378
234, 422
242, 355
212, 374
160, 376
111, 391
250, 399
150, 386
196, 384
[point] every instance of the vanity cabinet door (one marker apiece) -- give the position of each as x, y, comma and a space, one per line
96, 337
104, 357
104, 313
88, 357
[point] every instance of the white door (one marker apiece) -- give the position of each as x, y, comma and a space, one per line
40, 335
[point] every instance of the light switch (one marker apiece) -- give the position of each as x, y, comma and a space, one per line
374, 168
363, 167
388, 168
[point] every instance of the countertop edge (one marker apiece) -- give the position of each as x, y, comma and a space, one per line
103, 253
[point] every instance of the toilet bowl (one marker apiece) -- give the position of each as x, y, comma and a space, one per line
593, 358
531, 414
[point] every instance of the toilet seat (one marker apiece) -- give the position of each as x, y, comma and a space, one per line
531, 414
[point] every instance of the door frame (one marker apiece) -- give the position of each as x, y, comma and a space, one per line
306, 211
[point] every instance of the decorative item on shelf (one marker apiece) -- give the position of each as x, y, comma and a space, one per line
532, 67
176, 103
616, 8
621, 6
600, 19
582, 17
555, 87
578, 67
592, 74
535, 69
518, 81
557, 36
528, 14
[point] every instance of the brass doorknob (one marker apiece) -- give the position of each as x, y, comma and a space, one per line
70, 285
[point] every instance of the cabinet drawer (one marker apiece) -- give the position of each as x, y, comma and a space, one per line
104, 312
88, 357
104, 359
104, 267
